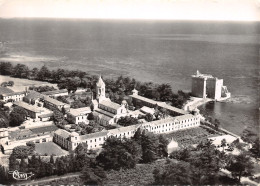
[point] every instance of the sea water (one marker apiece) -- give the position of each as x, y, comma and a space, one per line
156, 51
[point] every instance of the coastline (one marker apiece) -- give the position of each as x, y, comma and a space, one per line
194, 102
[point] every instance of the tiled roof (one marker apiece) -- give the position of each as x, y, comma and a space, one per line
55, 92
27, 106
124, 129
183, 117
13, 93
110, 104
159, 122
160, 104
46, 115
100, 111
94, 135
20, 134
34, 95
53, 101
44, 129
4, 90
144, 99
80, 111
62, 133
102, 116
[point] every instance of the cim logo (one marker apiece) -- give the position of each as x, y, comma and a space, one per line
20, 175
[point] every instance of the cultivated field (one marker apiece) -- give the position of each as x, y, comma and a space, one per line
191, 136
20, 84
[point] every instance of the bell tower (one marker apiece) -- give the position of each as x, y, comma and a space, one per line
100, 90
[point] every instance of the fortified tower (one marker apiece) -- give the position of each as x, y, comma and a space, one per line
207, 86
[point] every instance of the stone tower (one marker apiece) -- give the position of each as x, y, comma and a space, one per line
100, 90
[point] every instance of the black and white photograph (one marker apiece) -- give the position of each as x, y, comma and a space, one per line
129, 92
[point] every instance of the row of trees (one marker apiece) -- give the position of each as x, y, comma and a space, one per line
70, 79
42, 88
19, 160
116, 88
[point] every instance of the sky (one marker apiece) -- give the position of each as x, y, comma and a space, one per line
231, 10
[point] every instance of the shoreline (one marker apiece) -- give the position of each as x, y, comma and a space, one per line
194, 102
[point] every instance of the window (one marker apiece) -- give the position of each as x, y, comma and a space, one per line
95, 140
90, 141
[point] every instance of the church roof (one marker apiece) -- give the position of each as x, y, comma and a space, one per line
110, 104
100, 82
100, 111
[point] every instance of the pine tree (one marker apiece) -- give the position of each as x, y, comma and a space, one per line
23, 166
13, 163
149, 145
93, 175
51, 159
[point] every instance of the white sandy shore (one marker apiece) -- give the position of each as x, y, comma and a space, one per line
21, 84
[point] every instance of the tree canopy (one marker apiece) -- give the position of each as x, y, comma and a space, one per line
127, 121
240, 165
119, 153
17, 116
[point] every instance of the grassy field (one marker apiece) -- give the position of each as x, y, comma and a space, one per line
20, 84
191, 136
49, 148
